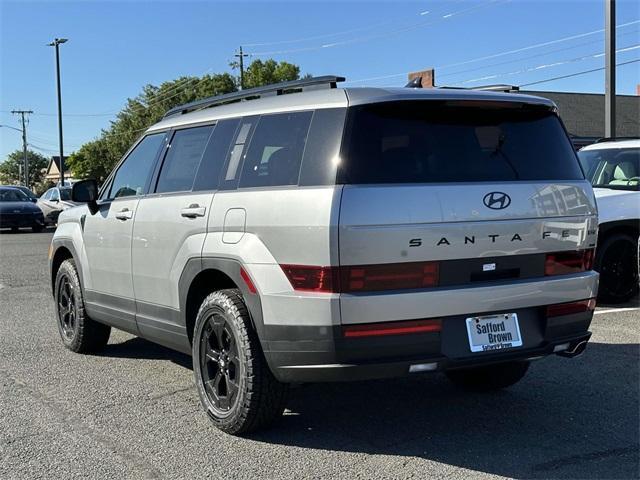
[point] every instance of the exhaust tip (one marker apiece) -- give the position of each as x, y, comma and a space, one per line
573, 350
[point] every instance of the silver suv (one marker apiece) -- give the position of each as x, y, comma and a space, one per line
334, 234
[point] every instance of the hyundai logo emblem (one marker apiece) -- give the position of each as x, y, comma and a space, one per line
497, 200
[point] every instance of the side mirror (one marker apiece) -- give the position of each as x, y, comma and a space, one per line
34, 200
86, 191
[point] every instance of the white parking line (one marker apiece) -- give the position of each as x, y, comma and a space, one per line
612, 310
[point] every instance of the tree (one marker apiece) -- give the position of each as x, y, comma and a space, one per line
265, 73
11, 166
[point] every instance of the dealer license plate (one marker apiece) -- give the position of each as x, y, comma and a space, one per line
493, 332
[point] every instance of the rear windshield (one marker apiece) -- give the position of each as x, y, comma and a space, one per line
429, 142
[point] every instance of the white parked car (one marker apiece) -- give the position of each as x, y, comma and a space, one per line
613, 166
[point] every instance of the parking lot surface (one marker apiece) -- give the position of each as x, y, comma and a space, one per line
133, 411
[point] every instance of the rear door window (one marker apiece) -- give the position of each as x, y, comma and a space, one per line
214, 156
183, 159
276, 150
432, 142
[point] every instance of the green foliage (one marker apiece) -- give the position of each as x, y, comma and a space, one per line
10, 167
265, 73
97, 158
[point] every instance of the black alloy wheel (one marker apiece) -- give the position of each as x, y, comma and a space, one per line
220, 364
67, 311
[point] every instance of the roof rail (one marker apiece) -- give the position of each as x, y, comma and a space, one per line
491, 88
615, 139
311, 83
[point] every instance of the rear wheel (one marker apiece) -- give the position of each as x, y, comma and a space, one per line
617, 262
78, 332
490, 377
235, 385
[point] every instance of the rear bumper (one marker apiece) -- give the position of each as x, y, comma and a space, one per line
320, 354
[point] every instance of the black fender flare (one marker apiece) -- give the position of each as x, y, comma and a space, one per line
230, 268
67, 243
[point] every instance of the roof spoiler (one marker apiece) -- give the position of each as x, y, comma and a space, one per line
310, 83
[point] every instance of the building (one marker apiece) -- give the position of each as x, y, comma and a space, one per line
52, 173
582, 113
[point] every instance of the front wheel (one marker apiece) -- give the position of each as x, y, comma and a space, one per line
235, 385
490, 377
617, 262
79, 333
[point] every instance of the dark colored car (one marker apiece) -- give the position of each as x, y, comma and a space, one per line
54, 201
32, 196
17, 211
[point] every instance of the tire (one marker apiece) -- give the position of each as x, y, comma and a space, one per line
226, 350
37, 228
489, 378
617, 262
79, 333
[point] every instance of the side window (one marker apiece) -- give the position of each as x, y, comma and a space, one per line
215, 154
276, 149
131, 177
182, 159
55, 195
238, 152
322, 152
47, 195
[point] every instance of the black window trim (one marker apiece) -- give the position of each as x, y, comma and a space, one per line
153, 183
106, 186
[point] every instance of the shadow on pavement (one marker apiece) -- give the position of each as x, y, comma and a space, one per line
569, 418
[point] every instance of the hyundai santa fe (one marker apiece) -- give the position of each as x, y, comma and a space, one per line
336, 234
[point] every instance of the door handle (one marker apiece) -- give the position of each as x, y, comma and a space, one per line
124, 214
192, 211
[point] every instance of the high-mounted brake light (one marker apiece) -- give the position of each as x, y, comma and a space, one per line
363, 278
392, 328
580, 306
562, 263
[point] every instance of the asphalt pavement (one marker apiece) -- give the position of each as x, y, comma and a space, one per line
133, 411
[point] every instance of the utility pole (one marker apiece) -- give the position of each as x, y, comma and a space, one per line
610, 68
22, 113
241, 56
56, 43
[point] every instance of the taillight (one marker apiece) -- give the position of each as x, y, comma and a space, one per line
362, 278
311, 278
392, 328
562, 263
580, 306
396, 276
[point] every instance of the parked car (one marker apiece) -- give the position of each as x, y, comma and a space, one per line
17, 211
32, 196
613, 167
336, 234
54, 201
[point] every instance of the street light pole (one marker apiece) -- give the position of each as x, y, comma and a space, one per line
610, 68
56, 43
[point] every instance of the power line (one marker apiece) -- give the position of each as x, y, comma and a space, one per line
335, 34
545, 66
396, 31
502, 54
537, 55
584, 72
